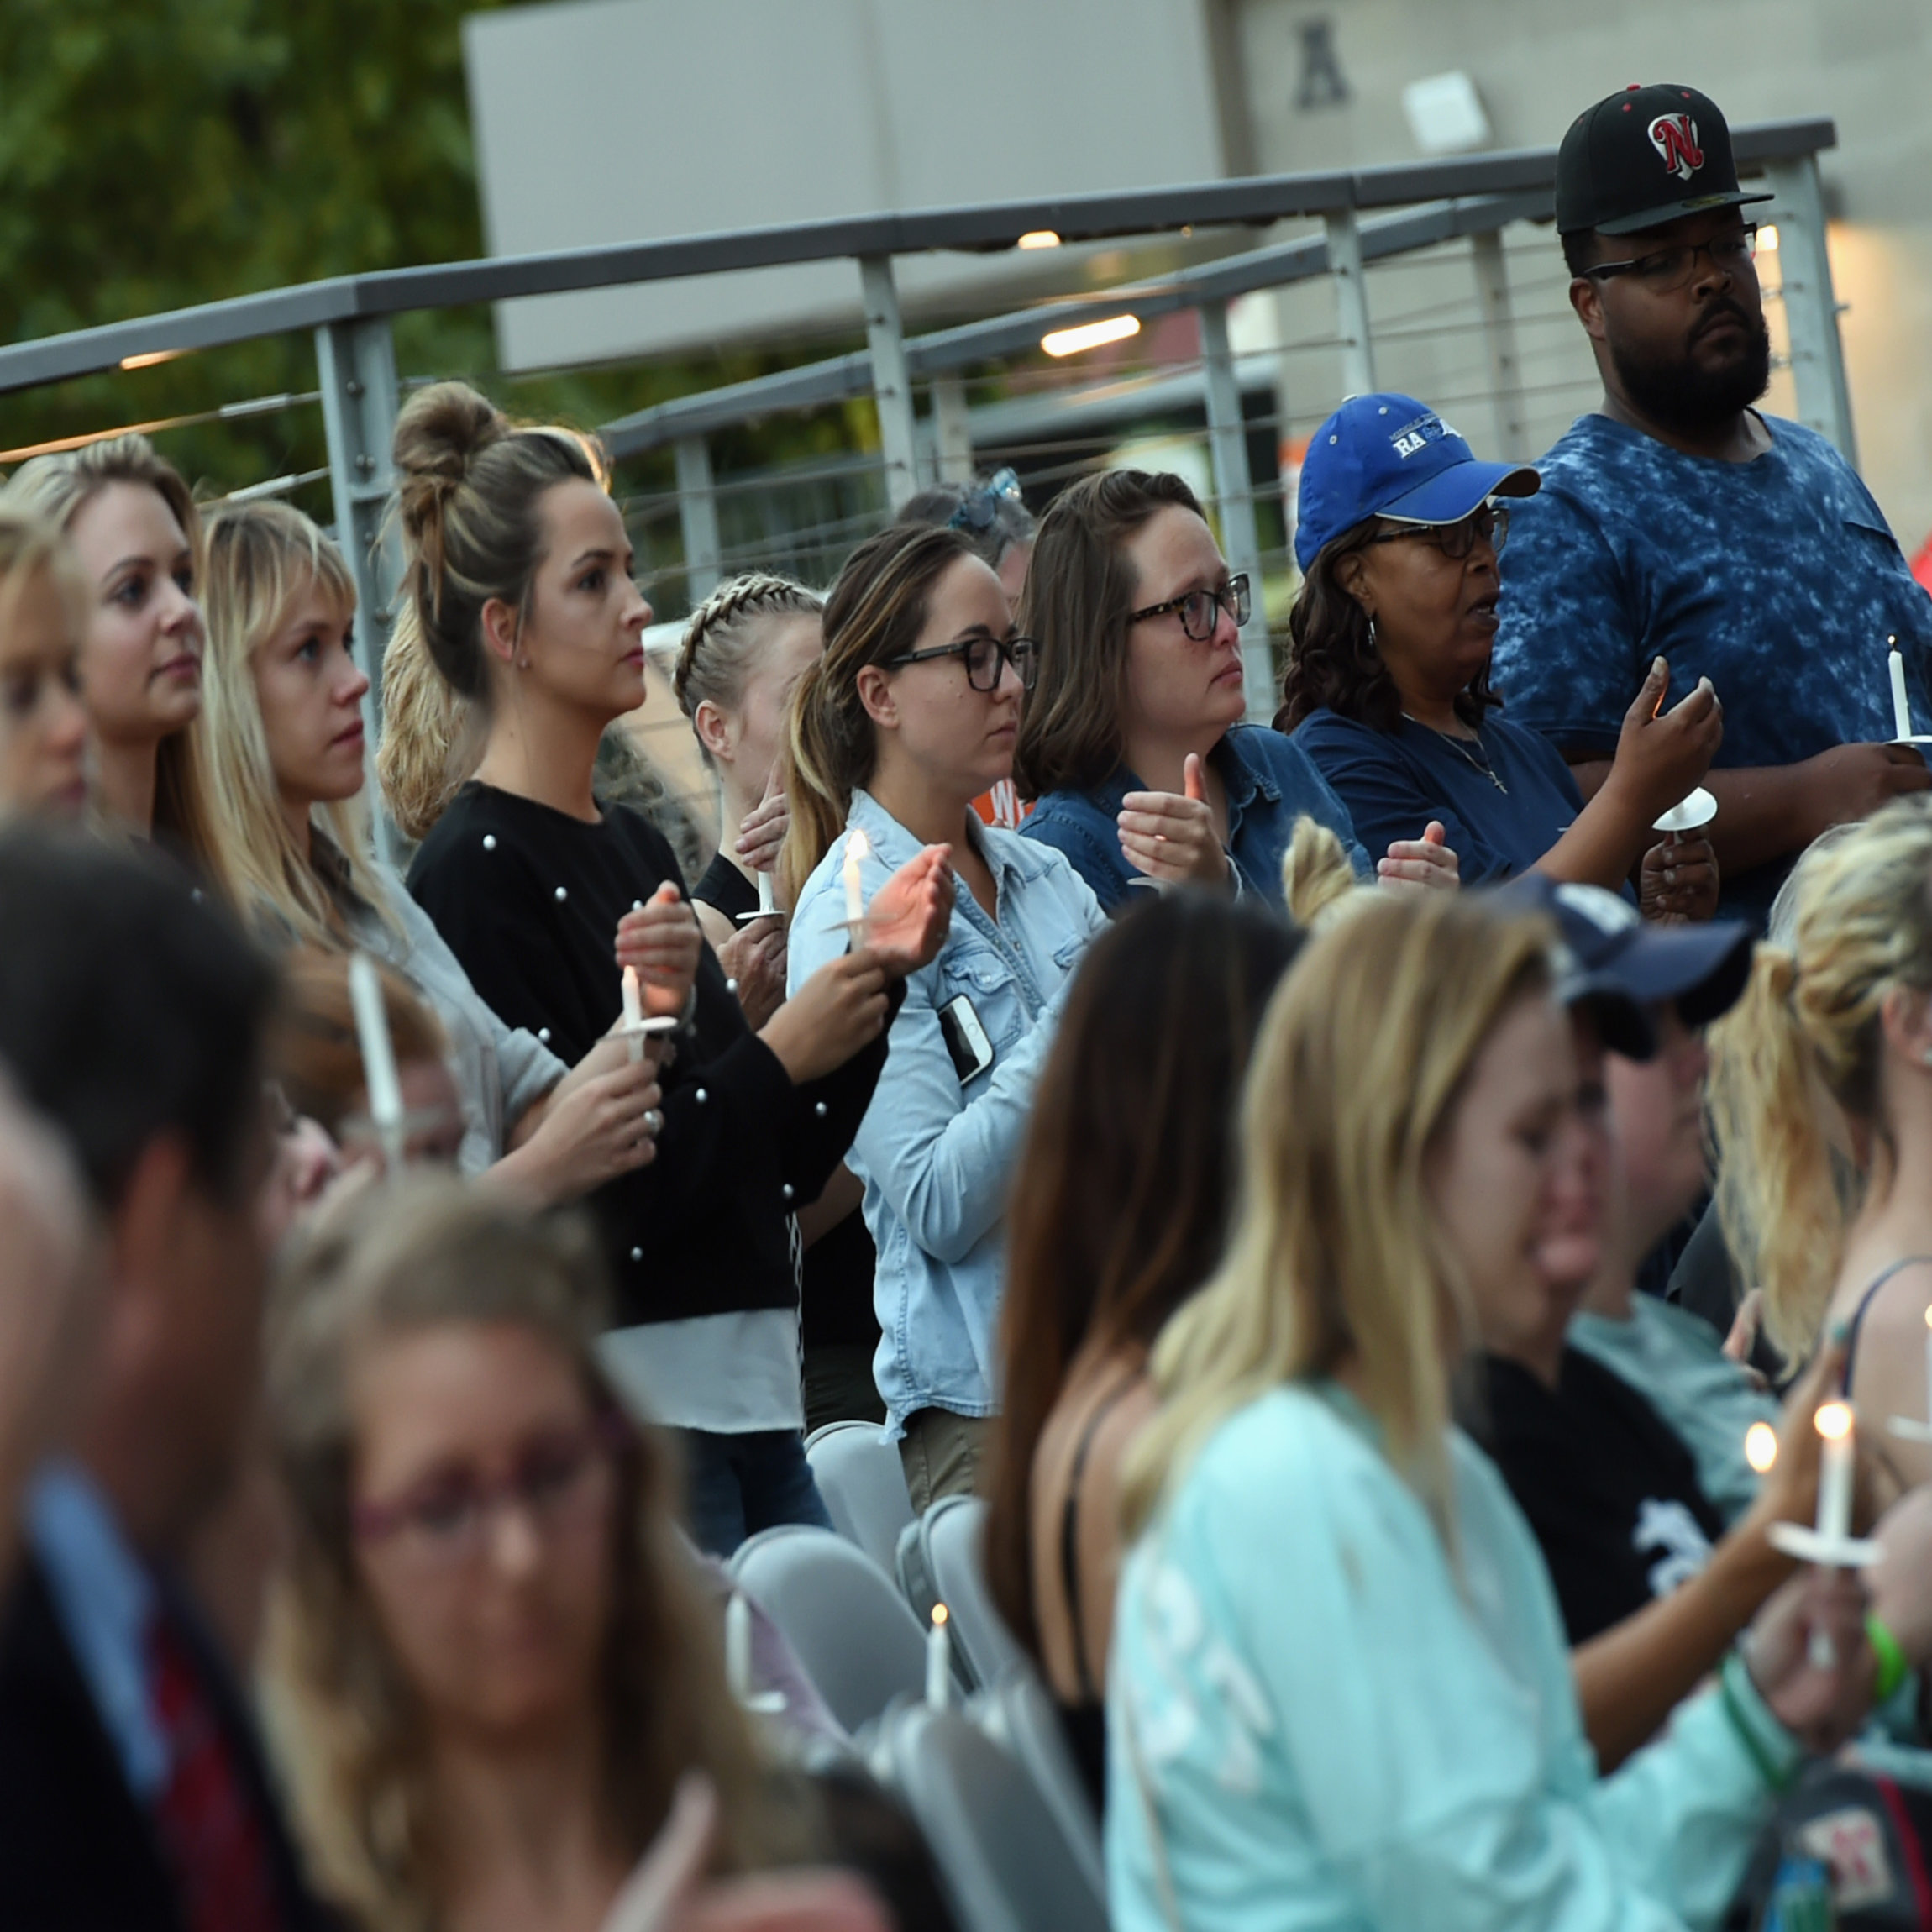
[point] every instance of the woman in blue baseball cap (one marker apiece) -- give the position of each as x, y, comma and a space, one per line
1388, 686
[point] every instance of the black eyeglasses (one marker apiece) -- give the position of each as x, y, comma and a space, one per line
981, 510
1200, 610
1490, 524
986, 659
1668, 269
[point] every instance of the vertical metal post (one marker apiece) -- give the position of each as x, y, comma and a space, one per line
1499, 338
698, 516
1351, 302
891, 385
951, 429
1234, 492
1810, 306
355, 364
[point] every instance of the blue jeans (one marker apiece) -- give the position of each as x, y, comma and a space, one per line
740, 1484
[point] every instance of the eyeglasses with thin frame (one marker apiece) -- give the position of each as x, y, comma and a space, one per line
446, 1523
1665, 270
986, 658
1200, 611
1455, 540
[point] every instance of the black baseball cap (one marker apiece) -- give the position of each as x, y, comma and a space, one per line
1644, 157
1618, 965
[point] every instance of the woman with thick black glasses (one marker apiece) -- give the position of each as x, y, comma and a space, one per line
909, 716
1134, 744
1388, 686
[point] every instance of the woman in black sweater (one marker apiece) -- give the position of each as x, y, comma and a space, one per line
520, 594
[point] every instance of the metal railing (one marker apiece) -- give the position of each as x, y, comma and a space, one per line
1475, 197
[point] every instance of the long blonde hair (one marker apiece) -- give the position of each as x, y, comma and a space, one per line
262, 560
1336, 1254
723, 637
57, 486
428, 1251
1798, 1056
32, 546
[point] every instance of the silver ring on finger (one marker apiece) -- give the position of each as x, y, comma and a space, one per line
654, 1122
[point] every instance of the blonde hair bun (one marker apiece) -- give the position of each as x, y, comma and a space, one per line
440, 433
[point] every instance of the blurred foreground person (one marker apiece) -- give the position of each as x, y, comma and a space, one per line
131, 1790
490, 1657
1341, 1695
45, 600
1118, 1216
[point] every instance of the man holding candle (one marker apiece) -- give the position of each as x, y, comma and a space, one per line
1677, 521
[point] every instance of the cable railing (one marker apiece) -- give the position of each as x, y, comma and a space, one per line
1386, 238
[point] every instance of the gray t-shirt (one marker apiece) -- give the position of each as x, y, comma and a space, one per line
1673, 1359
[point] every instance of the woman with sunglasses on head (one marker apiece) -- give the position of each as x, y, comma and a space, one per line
1388, 685
1134, 745
908, 716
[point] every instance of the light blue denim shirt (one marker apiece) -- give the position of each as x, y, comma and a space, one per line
1319, 1716
935, 1154
1270, 782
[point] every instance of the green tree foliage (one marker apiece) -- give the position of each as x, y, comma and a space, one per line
156, 154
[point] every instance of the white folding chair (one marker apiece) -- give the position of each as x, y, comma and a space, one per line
846, 1622
1005, 1863
1018, 1714
859, 1476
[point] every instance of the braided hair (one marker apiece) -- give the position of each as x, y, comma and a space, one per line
725, 633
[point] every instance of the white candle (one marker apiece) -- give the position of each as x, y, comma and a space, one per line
1901, 704
938, 1662
738, 1647
767, 899
856, 847
634, 1013
1929, 1365
378, 1054
1835, 1471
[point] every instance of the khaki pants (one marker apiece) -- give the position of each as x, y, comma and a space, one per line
941, 1452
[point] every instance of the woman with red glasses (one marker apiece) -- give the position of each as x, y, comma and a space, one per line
1387, 687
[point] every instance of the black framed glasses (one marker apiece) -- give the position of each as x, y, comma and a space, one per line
986, 659
1200, 610
1490, 524
1668, 269
981, 510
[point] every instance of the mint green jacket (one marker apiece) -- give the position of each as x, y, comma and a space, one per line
1321, 1717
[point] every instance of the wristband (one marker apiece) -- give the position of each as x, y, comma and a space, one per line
1736, 1708
1892, 1668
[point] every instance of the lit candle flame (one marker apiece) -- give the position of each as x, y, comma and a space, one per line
1760, 1446
938, 1616
1835, 1420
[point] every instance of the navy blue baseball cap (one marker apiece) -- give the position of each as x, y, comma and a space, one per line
1620, 965
1391, 456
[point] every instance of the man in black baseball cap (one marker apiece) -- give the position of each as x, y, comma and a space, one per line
1678, 521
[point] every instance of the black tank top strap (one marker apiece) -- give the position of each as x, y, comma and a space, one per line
1865, 1301
1070, 1536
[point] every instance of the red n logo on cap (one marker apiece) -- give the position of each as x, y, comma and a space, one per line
1674, 136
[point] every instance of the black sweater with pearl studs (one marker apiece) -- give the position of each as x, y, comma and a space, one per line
529, 899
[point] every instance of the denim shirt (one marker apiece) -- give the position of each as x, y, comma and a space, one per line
1270, 782
936, 1154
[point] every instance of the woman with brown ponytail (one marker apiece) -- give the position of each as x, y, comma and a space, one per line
910, 715
519, 594
1821, 1091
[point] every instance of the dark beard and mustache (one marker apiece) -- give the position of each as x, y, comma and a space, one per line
1678, 395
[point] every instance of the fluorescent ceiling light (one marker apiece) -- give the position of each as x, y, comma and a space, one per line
1090, 335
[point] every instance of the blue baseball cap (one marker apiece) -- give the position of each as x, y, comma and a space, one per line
1391, 456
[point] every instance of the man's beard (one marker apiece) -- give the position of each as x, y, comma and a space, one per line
1680, 395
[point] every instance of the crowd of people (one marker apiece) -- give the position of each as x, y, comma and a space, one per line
1252, 1159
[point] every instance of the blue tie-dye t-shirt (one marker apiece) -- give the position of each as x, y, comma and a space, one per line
1778, 579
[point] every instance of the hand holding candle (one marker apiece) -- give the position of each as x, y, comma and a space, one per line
1171, 838
661, 941
909, 916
